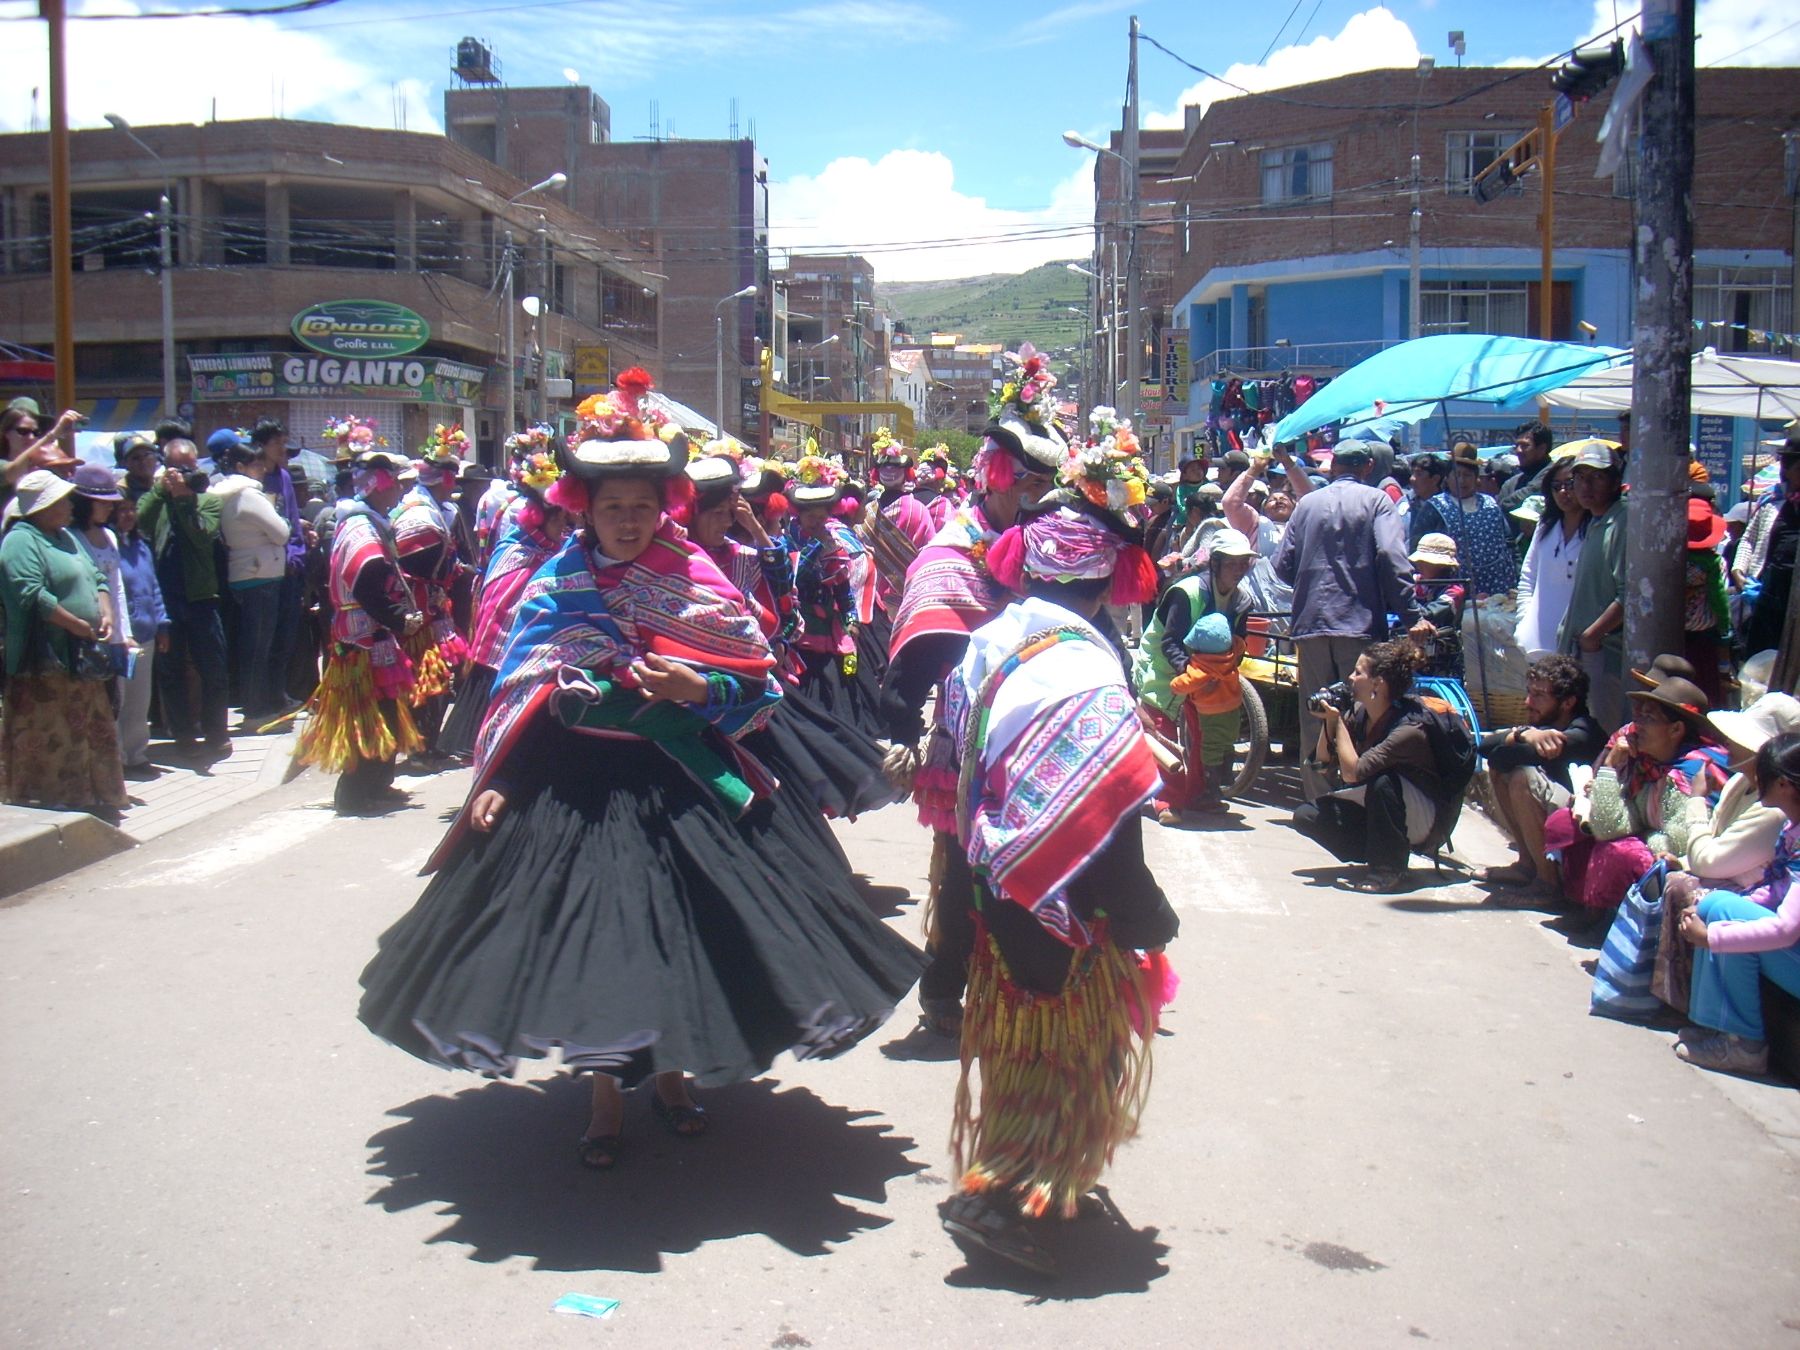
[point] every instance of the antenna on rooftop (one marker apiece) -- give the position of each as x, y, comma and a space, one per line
734, 124
655, 120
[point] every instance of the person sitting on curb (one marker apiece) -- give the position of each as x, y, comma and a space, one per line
1640, 810
1740, 939
1528, 767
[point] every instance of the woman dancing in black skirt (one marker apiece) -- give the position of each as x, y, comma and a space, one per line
626, 884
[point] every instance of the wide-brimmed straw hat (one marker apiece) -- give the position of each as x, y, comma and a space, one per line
1435, 548
1771, 715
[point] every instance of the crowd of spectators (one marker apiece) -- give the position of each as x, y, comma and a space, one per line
155, 606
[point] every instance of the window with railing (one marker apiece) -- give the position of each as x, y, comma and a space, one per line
1296, 173
1467, 153
1733, 303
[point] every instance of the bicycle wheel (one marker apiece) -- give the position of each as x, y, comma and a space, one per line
1252, 746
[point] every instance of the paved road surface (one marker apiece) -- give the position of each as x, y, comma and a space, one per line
1375, 1122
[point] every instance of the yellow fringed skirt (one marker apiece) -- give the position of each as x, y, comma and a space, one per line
344, 725
1064, 1078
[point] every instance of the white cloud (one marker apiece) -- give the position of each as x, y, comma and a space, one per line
1372, 40
180, 70
1730, 32
905, 214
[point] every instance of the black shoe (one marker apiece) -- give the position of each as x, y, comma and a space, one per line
143, 773
216, 749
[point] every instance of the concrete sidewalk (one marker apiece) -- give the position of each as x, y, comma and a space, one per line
38, 846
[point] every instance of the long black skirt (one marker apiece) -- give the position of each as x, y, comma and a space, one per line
836, 765
618, 914
855, 699
463, 725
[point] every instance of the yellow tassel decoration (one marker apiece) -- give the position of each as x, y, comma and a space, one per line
1064, 1078
431, 673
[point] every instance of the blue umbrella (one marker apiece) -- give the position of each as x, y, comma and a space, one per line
1406, 382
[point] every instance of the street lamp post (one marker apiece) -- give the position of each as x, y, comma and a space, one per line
512, 338
742, 293
165, 263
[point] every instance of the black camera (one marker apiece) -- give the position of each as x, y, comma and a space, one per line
196, 480
1332, 696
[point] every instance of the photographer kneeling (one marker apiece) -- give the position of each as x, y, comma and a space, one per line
1373, 735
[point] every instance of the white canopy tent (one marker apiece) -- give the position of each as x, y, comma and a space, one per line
1723, 386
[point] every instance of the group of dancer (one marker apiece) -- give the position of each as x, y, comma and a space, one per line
682, 662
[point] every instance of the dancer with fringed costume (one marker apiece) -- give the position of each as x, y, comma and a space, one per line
428, 556
949, 594
530, 532
1067, 977
357, 720
839, 766
628, 882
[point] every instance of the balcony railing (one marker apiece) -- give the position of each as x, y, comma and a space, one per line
1325, 358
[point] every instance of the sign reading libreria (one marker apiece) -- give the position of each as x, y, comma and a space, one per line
360, 328
286, 375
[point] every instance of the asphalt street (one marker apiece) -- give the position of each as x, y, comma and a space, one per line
1374, 1121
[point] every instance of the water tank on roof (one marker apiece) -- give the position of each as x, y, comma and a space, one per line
475, 62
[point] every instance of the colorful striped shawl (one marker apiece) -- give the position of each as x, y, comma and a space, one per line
1065, 765
518, 553
670, 600
948, 590
360, 538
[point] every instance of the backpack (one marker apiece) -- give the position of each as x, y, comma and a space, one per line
1452, 744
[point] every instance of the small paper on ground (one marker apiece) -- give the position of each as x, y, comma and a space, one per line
585, 1305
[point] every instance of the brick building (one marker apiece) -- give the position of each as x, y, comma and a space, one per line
962, 376
1291, 231
837, 342
695, 212
274, 218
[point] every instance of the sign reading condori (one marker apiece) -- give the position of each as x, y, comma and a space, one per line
360, 328
288, 375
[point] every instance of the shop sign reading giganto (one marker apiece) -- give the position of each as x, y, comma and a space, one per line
361, 328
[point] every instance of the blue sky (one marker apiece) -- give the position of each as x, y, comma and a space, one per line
888, 127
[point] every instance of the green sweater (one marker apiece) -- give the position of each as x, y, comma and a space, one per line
192, 523
38, 572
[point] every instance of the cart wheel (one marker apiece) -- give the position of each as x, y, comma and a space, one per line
1253, 743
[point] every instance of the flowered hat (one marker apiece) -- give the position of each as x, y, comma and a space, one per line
713, 477
887, 453
446, 442
353, 436
531, 458
818, 479
1022, 422
1107, 470
620, 434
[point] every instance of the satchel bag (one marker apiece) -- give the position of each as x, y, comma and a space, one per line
1628, 959
90, 660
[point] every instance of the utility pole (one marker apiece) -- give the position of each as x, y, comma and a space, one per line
512, 340
1662, 337
1134, 334
165, 252
62, 234
1414, 274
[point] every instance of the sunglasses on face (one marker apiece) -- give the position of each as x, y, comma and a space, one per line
1563, 485
23, 431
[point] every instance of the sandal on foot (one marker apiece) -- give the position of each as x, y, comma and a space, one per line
686, 1121
1378, 882
980, 1224
599, 1152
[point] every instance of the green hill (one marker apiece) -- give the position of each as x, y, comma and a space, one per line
1008, 308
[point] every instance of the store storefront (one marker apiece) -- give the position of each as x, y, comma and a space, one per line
405, 396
